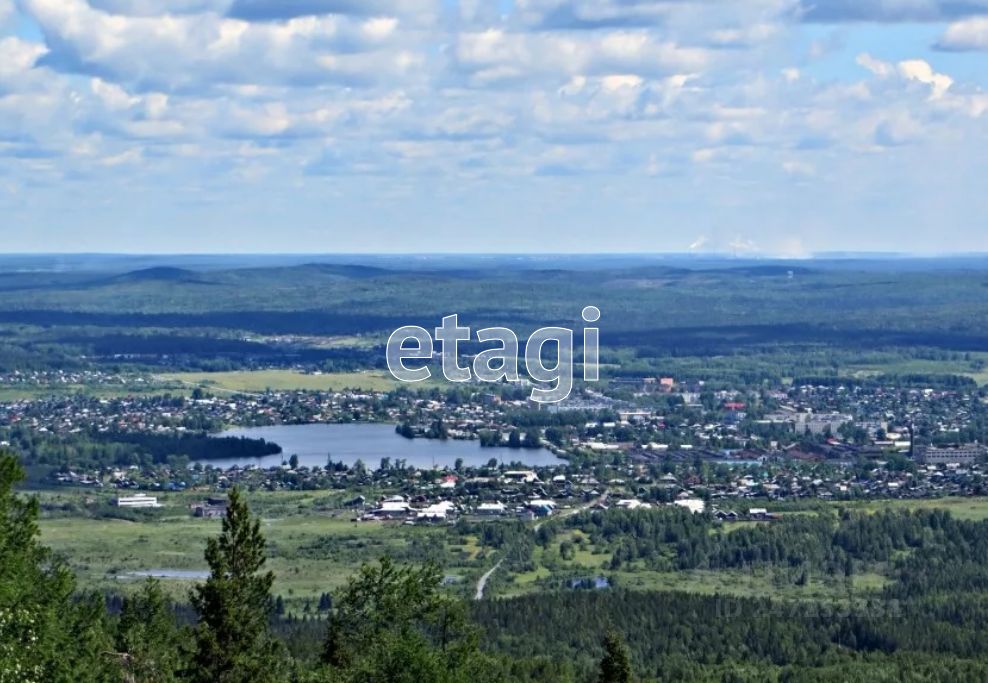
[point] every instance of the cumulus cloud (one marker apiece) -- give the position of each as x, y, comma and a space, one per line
916, 70
970, 34
497, 55
667, 93
17, 59
178, 51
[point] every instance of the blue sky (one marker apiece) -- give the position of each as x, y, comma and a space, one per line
758, 127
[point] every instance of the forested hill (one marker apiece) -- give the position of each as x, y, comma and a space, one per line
312, 298
184, 315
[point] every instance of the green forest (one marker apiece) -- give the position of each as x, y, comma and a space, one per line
735, 321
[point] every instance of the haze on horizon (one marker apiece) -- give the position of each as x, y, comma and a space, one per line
751, 127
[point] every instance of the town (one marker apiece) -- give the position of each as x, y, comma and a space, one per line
630, 443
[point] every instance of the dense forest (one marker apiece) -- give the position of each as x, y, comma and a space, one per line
124, 449
745, 321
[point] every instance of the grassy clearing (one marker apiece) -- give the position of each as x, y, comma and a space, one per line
313, 546
10, 394
922, 367
283, 380
975, 509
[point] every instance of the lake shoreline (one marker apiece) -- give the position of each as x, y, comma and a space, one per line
317, 442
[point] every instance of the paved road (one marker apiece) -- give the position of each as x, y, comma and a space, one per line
482, 584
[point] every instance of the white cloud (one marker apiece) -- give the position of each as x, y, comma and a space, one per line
909, 70
875, 66
743, 245
497, 55
677, 95
918, 70
699, 243
17, 59
970, 34
196, 51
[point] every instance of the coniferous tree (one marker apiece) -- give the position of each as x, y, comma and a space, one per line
233, 642
150, 642
45, 635
394, 624
615, 667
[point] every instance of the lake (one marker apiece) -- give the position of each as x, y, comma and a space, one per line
348, 443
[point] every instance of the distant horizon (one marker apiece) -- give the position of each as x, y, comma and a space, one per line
822, 255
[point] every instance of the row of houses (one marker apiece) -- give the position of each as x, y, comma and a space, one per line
397, 508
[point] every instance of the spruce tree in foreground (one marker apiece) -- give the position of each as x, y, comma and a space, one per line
148, 638
45, 635
615, 667
395, 624
233, 641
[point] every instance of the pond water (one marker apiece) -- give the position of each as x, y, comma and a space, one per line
166, 574
347, 443
595, 583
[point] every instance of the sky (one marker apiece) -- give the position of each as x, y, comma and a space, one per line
749, 127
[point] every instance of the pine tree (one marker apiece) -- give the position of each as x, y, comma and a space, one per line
148, 638
615, 667
233, 642
395, 624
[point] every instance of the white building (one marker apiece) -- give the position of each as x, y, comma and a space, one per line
694, 505
139, 500
438, 512
524, 476
491, 509
631, 504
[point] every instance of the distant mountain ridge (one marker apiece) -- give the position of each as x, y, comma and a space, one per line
160, 274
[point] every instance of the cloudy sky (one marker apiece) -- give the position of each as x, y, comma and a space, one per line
775, 127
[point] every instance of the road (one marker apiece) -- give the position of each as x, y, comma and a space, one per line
482, 584
574, 511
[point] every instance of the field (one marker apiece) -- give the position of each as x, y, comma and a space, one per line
975, 509
313, 545
282, 380
973, 368
22, 392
